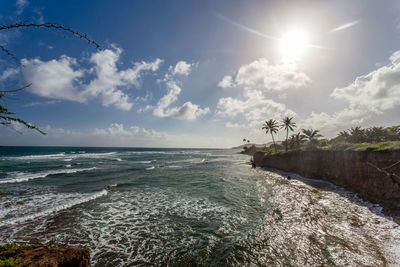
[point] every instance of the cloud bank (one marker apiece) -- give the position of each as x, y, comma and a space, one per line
260, 81
188, 111
64, 78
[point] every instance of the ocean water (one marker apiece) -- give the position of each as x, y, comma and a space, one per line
186, 207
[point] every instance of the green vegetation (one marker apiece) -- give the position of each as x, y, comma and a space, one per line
353, 139
271, 126
288, 124
11, 254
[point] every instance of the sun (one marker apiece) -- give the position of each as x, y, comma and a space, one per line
293, 44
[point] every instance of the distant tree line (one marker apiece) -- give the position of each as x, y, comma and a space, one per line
311, 139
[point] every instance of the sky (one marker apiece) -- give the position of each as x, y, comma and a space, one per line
198, 73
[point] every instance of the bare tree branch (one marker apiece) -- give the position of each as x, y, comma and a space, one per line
16, 90
50, 26
10, 54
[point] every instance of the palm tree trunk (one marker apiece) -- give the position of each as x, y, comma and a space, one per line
287, 135
273, 141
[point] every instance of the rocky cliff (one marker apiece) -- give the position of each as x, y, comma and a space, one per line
374, 175
35, 254
56, 257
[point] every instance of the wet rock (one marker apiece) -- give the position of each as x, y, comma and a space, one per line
20, 203
53, 257
374, 175
8, 204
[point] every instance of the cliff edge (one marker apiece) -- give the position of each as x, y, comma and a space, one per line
374, 175
38, 255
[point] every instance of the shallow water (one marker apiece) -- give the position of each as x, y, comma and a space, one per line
187, 207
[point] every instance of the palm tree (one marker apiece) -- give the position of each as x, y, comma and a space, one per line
357, 135
311, 135
344, 134
271, 126
296, 140
288, 124
376, 134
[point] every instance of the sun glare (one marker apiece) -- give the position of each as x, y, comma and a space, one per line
293, 44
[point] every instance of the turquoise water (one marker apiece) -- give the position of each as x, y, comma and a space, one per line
183, 207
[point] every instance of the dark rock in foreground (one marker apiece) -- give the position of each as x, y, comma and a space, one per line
52, 257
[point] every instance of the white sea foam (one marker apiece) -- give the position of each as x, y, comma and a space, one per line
39, 157
150, 168
18, 177
69, 201
63, 156
144, 161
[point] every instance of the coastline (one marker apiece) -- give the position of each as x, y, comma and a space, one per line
374, 175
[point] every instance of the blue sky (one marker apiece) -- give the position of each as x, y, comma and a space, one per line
198, 73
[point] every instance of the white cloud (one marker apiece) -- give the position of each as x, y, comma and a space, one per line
375, 92
369, 97
259, 79
115, 135
182, 68
329, 124
21, 5
168, 99
226, 82
55, 79
234, 125
261, 75
45, 103
254, 109
62, 79
8, 73
118, 130
109, 79
188, 111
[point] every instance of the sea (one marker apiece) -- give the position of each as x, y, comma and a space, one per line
186, 207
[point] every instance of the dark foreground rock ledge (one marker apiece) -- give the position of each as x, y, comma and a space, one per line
39, 255
52, 257
374, 175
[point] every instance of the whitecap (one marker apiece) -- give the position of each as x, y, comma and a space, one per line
18, 177
144, 161
39, 157
72, 201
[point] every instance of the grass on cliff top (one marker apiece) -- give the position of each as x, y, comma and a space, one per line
343, 146
390, 145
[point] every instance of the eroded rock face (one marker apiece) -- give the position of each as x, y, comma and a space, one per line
56, 257
374, 175
249, 150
